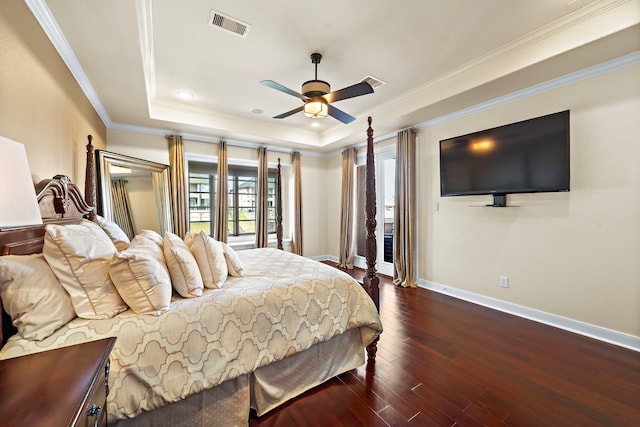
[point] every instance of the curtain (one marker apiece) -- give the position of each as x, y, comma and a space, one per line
262, 220
296, 239
221, 219
404, 227
121, 207
164, 212
348, 211
361, 211
179, 205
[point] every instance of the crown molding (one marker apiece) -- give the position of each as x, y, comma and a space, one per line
582, 19
45, 18
577, 76
145, 35
589, 23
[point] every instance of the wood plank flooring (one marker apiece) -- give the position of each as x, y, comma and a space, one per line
446, 362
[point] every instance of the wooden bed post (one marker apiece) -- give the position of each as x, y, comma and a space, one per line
371, 280
279, 206
90, 180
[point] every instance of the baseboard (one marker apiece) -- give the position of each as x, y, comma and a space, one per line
592, 331
324, 258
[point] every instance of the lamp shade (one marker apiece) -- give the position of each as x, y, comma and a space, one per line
18, 203
316, 109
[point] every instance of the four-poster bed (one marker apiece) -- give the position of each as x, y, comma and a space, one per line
279, 206
323, 320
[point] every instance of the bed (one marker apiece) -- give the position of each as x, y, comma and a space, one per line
254, 341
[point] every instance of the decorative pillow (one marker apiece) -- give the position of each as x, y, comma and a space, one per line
183, 268
79, 255
32, 296
115, 233
153, 236
141, 277
142, 241
210, 258
233, 262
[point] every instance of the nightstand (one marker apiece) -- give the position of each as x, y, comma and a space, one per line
61, 387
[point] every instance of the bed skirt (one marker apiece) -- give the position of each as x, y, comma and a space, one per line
223, 405
268, 387
272, 385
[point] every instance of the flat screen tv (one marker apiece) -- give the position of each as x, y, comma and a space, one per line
524, 157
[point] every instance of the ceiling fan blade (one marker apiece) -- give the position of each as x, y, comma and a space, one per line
340, 115
289, 113
278, 86
357, 89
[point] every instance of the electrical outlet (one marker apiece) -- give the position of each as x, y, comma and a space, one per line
504, 282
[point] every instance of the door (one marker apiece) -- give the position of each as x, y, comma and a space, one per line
385, 199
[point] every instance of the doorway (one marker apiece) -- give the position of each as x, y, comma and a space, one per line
385, 203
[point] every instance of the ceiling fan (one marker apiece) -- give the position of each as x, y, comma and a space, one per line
318, 98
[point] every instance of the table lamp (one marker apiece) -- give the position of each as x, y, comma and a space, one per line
18, 203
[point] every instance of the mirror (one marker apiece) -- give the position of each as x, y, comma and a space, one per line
133, 193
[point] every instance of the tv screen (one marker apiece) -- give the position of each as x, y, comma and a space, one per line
523, 157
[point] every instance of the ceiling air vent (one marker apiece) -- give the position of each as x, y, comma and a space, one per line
217, 19
375, 83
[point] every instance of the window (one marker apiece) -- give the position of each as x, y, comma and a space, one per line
201, 193
241, 198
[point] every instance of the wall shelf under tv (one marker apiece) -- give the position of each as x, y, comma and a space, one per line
499, 201
492, 206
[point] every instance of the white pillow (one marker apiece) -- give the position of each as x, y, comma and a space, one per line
183, 268
154, 236
209, 255
233, 262
79, 255
142, 278
142, 241
33, 297
115, 233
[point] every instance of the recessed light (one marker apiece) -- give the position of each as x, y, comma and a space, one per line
183, 94
315, 124
257, 111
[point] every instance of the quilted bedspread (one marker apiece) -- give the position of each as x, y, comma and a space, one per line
283, 305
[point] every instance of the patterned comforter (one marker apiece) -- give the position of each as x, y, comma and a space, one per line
283, 305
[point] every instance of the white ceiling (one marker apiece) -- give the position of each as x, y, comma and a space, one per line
132, 56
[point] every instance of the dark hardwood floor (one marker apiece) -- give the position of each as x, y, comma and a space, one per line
446, 362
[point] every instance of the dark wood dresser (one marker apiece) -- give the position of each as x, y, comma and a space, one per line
62, 387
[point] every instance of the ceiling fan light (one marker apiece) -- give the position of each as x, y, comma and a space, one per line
316, 109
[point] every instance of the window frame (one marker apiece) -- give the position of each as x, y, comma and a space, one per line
234, 173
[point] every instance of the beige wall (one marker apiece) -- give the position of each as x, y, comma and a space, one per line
142, 198
321, 180
573, 254
41, 105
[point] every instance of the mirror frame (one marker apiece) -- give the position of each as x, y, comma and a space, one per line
106, 159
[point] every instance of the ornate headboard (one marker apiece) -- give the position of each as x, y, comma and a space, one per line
60, 202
